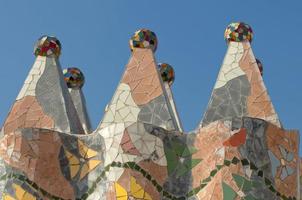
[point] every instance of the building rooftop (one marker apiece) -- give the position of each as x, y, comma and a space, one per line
139, 150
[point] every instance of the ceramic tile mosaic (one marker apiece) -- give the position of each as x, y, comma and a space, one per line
75, 80
44, 100
47, 46
139, 151
238, 32
168, 76
73, 77
143, 38
239, 90
170, 97
166, 72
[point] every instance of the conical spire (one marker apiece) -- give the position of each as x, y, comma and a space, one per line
75, 80
140, 96
168, 76
239, 90
44, 101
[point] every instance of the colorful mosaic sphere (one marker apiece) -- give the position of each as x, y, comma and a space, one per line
143, 38
238, 32
47, 46
167, 73
74, 77
260, 66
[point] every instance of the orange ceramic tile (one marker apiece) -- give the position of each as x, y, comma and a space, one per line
237, 139
26, 113
142, 76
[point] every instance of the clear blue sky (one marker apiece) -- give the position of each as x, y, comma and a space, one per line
95, 34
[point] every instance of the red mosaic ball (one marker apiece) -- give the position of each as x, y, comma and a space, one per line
47, 46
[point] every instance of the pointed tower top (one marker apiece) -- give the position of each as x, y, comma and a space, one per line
141, 95
239, 90
47, 46
143, 38
74, 78
44, 100
238, 32
168, 76
167, 73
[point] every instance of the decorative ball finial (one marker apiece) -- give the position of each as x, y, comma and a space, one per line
167, 73
143, 38
260, 66
238, 32
47, 46
74, 78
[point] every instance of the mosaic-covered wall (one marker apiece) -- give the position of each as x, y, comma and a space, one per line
239, 151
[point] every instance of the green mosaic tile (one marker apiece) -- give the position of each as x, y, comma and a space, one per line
178, 148
243, 183
143, 172
202, 185
228, 192
227, 162
187, 166
188, 151
131, 164
253, 167
159, 188
219, 167
182, 169
239, 180
206, 180
213, 173
172, 160
272, 189
107, 168
247, 185
165, 193
195, 162
245, 162
193, 192
235, 160
267, 181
